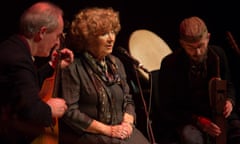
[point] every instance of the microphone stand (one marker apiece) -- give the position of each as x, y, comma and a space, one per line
149, 127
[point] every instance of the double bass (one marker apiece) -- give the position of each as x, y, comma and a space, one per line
50, 88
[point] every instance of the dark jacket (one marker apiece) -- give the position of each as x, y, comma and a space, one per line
22, 112
82, 94
176, 103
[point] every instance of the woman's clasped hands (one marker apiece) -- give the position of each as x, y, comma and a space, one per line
122, 131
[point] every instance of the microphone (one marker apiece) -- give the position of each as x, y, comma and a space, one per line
134, 61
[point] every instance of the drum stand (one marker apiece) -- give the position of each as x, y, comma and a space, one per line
149, 127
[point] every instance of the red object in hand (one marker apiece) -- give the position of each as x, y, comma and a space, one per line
203, 121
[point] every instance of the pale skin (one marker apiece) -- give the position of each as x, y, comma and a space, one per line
100, 47
121, 131
197, 52
41, 45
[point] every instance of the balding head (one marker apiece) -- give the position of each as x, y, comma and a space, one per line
192, 29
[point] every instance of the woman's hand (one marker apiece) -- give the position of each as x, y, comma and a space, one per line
122, 131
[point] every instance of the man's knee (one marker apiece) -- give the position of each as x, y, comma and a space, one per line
191, 135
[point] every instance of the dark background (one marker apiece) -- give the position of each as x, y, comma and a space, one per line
160, 17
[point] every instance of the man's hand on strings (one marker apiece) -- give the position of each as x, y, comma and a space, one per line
66, 57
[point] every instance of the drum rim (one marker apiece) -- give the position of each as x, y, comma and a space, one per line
160, 49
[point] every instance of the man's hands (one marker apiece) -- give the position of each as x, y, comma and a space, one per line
211, 128
67, 58
208, 126
58, 106
227, 108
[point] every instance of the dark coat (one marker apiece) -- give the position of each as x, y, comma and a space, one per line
83, 105
174, 102
22, 112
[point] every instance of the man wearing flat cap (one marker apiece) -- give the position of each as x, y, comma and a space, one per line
185, 101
